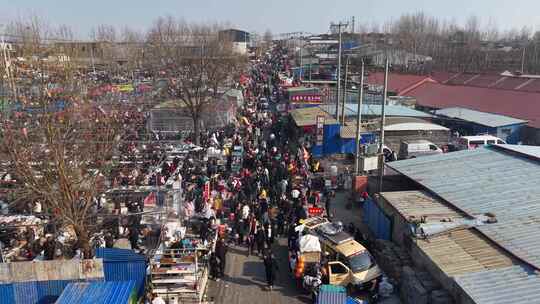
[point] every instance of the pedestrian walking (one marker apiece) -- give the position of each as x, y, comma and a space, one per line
270, 267
214, 267
328, 204
134, 237
221, 253
260, 240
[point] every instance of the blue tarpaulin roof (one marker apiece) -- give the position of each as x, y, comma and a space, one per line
97, 293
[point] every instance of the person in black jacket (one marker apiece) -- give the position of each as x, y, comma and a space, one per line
270, 267
221, 254
134, 237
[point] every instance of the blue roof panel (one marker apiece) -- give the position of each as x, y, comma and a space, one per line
481, 118
119, 255
97, 293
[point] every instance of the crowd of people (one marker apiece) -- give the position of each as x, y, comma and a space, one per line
258, 199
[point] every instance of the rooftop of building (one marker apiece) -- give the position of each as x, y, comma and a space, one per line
478, 117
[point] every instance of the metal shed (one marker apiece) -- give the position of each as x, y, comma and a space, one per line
99, 293
42, 282
124, 265
505, 127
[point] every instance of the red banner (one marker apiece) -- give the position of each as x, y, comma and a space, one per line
315, 211
206, 192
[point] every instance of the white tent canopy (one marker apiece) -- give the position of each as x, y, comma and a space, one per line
309, 243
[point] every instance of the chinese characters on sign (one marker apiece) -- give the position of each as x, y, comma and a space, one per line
306, 98
319, 132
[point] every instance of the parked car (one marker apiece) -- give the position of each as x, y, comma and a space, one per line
349, 264
473, 142
417, 148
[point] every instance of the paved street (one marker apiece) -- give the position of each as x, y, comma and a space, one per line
245, 282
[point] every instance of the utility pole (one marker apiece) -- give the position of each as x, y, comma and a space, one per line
352, 30
338, 94
523, 61
301, 64
344, 92
359, 121
383, 118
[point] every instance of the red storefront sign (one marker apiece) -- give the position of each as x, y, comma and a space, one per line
314, 211
306, 98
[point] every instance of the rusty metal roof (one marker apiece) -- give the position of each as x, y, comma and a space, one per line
308, 116
413, 205
520, 236
488, 180
464, 251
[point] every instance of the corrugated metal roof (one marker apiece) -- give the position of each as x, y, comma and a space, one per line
43, 292
417, 204
511, 285
123, 265
97, 293
375, 110
51, 270
332, 295
394, 123
484, 180
464, 251
520, 236
482, 118
119, 255
308, 116
413, 126
523, 149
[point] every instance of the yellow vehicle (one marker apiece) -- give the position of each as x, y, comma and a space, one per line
349, 263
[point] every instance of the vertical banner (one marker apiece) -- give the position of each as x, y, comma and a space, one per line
319, 131
206, 192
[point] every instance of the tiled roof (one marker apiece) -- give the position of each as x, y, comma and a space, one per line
396, 82
517, 104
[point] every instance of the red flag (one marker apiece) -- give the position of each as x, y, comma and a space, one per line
150, 200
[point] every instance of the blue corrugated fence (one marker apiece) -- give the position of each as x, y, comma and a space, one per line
124, 265
376, 220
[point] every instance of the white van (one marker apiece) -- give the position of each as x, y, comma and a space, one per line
417, 148
473, 142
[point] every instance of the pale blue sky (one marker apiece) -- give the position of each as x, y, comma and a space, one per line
277, 15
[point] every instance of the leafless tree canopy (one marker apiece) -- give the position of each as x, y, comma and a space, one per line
198, 59
474, 46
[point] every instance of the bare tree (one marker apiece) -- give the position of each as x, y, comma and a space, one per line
60, 150
200, 62
58, 159
104, 33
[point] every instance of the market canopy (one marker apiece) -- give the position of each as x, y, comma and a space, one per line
309, 243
